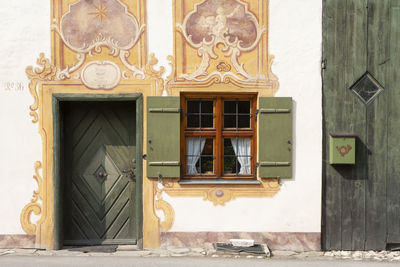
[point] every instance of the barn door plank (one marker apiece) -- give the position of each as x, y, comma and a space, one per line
333, 21
344, 49
378, 54
353, 183
393, 176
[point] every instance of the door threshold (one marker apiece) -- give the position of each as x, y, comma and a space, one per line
102, 248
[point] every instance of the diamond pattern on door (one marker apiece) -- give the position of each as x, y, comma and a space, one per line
101, 179
367, 88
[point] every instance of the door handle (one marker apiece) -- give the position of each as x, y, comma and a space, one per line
130, 173
102, 174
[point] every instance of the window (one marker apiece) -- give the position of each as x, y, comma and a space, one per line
218, 136
168, 134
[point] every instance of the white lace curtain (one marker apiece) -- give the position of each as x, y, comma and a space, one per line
241, 146
194, 147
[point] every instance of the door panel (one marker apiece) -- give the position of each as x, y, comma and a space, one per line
361, 202
99, 194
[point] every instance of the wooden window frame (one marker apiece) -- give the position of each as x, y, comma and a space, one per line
218, 133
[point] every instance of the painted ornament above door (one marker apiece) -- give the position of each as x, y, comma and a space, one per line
99, 38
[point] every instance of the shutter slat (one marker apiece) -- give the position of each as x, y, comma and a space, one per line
163, 136
275, 137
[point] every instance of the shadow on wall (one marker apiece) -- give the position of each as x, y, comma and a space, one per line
294, 142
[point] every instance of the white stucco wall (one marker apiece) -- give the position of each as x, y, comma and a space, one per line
24, 31
295, 40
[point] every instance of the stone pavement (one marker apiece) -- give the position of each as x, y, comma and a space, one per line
208, 251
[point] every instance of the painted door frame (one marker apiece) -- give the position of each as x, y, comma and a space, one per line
57, 147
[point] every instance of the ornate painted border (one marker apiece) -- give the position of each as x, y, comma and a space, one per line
177, 83
49, 77
42, 86
220, 194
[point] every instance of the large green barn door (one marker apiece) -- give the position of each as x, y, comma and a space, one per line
98, 166
361, 95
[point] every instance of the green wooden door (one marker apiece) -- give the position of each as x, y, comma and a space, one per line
99, 188
361, 95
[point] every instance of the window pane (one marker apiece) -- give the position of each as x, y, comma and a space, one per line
237, 156
230, 107
193, 106
207, 164
244, 107
199, 156
230, 165
207, 107
207, 121
229, 121
192, 165
208, 147
230, 161
228, 148
207, 157
245, 168
244, 121
193, 121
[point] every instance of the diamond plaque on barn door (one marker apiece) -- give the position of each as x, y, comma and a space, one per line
367, 88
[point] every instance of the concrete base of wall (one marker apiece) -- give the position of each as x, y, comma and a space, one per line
17, 241
275, 241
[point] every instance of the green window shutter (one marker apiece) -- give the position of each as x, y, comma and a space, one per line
275, 137
163, 136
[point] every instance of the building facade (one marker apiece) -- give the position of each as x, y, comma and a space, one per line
162, 123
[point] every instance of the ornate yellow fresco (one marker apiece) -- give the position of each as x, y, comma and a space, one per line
90, 56
103, 30
223, 42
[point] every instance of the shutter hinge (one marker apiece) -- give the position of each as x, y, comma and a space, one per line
165, 110
323, 64
257, 111
257, 164
165, 163
274, 163
274, 110
144, 156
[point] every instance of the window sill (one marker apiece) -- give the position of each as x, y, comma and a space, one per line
219, 182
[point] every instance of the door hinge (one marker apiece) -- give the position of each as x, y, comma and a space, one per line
323, 64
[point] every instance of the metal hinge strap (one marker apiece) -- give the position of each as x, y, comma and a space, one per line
273, 110
272, 163
165, 110
164, 163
